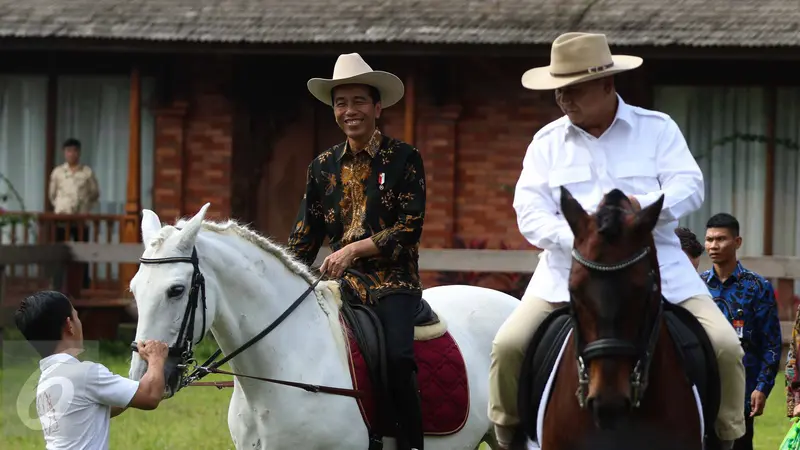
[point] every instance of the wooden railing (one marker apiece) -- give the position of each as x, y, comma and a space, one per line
103, 324
81, 278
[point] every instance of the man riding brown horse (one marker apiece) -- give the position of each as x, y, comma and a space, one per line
600, 144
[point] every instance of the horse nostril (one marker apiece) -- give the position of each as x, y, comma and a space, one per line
607, 412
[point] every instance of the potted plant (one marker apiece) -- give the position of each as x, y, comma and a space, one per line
10, 219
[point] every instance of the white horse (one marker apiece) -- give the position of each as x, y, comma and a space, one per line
250, 281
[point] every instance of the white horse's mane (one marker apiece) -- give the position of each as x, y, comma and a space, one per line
327, 292
246, 233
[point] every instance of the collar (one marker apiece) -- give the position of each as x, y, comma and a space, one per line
737, 272
58, 358
372, 147
624, 114
65, 166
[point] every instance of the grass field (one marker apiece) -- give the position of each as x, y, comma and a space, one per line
197, 417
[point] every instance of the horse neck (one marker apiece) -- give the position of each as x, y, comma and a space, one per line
253, 289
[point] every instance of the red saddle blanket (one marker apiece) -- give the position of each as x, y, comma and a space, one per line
442, 379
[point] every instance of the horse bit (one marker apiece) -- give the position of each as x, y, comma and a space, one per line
618, 347
184, 345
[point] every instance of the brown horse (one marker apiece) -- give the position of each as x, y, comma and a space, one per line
620, 367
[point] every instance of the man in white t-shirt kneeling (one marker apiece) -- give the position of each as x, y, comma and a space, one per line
75, 400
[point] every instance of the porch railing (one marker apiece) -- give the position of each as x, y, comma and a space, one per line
88, 279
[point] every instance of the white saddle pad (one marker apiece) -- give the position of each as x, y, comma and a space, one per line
533, 445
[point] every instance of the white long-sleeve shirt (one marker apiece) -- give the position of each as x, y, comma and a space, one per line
643, 153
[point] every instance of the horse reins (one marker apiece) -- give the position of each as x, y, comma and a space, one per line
184, 345
643, 349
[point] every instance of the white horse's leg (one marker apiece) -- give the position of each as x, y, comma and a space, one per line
243, 428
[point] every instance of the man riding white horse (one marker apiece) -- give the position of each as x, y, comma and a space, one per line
367, 195
600, 144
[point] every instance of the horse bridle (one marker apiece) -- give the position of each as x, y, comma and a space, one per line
184, 345
642, 350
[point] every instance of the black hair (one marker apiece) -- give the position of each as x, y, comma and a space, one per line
374, 93
41, 318
689, 242
724, 220
72, 142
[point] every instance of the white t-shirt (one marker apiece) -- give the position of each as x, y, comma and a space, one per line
74, 400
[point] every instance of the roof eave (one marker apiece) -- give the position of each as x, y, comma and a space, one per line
673, 51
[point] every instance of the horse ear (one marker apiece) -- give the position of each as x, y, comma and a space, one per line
151, 225
192, 228
647, 218
574, 213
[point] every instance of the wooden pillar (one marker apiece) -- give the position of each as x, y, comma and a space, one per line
440, 150
410, 121
133, 205
784, 286
169, 182
50, 135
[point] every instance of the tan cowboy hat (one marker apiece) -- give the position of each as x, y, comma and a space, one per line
575, 58
352, 69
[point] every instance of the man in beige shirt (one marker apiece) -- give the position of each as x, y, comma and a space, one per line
73, 190
73, 186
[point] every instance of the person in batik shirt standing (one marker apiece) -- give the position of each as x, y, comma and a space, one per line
792, 373
367, 195
748, 301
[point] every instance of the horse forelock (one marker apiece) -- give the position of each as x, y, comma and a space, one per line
610, 217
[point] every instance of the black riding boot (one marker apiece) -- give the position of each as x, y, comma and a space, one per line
408, 409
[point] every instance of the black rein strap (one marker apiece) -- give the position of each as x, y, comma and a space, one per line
183, 347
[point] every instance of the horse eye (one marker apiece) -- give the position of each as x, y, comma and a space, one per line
175, 291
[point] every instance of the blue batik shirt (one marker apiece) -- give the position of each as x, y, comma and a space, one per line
749, 297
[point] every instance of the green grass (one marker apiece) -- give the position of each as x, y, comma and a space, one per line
194, 419
197, 417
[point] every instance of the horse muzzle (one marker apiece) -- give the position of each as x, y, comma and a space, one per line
609, 410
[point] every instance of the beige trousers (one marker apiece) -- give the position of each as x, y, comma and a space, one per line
508, 352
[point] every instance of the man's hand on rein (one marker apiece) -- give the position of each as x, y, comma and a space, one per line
335, 264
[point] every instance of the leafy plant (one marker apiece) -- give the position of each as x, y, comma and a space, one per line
9, 218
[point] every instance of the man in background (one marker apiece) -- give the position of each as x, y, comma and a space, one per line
73, 190
748, 301
73, 185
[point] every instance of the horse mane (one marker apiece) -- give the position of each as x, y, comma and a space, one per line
327, 291
248, 234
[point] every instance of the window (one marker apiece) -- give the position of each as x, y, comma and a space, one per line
96, 110
23, 142
734, 170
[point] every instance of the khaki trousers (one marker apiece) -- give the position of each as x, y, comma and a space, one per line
511, 342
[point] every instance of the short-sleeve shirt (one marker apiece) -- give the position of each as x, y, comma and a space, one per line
74, 400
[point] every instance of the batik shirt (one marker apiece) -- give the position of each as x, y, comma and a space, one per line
748, 297
792, 374
376, 193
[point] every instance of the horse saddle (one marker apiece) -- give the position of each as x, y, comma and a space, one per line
693, 347
367, 329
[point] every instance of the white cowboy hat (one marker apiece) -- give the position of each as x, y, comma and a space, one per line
352, 69
575, 58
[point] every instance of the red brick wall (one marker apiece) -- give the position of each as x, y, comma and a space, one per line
194, 148
473, 147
